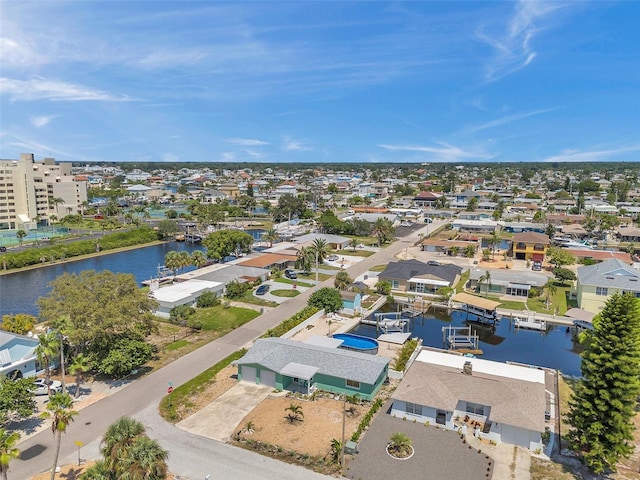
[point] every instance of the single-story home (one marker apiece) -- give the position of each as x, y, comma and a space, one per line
336, 242
597, 282
506, 282
226, 273
183, 293
493, 400
18, 355
269, 261
302, 367
477, 226
453, 248
519, 227
419, 277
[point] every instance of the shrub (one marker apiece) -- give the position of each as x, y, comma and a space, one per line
207, 299
364, 423
291, 322
405, 353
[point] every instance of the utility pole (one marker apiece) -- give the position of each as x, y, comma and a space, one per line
344, 420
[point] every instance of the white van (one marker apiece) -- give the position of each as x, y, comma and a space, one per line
351, 212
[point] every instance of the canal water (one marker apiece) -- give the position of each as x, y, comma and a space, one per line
20, 291
556, 348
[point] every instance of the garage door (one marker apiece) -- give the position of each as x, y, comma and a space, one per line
267, 378
515, 436
248, 374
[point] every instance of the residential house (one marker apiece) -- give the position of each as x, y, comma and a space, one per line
476, 226
506, 282
17, 355
336, 242
303, 367
448, 247
426, 199
597, 282
226, 273
230, 190
418, 277
270, 260
530, 246
520, 227
496, 401
628, 234
183, 293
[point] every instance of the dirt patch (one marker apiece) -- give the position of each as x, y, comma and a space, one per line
322, 422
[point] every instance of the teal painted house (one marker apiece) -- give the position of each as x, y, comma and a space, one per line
300, 367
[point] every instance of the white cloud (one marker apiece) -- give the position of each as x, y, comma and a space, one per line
572, 155
505, 120
254, 154
228, 156
292, 145
54, 90
43, 120
246, 142
171, 157
443, 152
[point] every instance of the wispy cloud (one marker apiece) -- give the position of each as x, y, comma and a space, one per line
254, 154
43, 120
505, 120
513, 45
442, 152
572, 155
292, 145
246, 142
54, 90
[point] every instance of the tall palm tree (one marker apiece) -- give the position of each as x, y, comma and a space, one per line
486, 278
48, 348
342, 280
493, 241
185, 259
551, 290
198, 259
304, 259
321, 250
172, 261
61, 414
353, 243
8, 450
21, 234
118, 438
79, 366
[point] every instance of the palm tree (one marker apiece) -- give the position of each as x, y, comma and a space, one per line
185, 259
118, 438
145, 459
8, 450
454, 251
486, 278
47, 349
97, 471
59, 410
21, 234
270, 236
305, 259
79, 365
295, 413
342, 281
551, 290
493, 241
400, 445
198, 259
383, 230
321, 250
353, 243
172, 261
469, 251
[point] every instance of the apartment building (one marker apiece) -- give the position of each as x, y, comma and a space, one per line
26, 187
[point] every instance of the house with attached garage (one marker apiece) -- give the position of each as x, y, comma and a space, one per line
419, 277
492, 400
304, 367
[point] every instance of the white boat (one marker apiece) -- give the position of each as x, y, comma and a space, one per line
530, 322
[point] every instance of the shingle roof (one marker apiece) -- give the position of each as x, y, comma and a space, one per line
277, 353
531, 237
514, 402
611, 273
413, 268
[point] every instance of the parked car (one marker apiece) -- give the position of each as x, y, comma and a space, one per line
536, 267
351, 212
290, 274
428, 220
43, 389
333, 258
262, 289
433, 263
3, 249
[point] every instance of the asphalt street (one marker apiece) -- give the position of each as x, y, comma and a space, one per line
190, 456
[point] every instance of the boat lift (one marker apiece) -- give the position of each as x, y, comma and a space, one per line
460, 339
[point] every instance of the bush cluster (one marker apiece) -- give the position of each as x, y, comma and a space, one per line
405, 353
366, 420
291, 322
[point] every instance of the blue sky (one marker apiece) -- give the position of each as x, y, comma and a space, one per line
320, 82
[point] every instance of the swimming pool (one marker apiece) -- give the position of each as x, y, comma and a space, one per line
357, 343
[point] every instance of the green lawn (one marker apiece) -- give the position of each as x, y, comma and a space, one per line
357, 253
285, 293
288, 281
222, 319
312, 276
176, 345
249, 297
464, 278
378, 268
539, 304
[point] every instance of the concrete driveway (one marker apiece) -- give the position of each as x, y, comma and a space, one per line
219, 419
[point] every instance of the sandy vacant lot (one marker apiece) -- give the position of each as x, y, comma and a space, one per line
322, 422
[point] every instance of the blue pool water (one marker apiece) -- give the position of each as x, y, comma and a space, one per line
357, 342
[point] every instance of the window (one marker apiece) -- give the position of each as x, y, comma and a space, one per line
353, 384
395, 284
602, 291
413, 408
474, 408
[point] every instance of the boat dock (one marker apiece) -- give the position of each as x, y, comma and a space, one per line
460, 339
530, 321
387, 322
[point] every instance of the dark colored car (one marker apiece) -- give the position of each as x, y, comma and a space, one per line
290, 274
433, 263
3, 249
536, 267
262, 289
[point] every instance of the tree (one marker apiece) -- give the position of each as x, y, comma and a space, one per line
559, 257
327, 298
472, 204
8, 450
446, 293
79, 366
20, 323
198, 259
342, 280
235, 289
564, 274
172, 261
270, 236
400, 445
550, 231
383, 230
167, 228
336, 450
321, 250
486, 278
223, 243
493, 241
118, 438
353, 243
469, 251
551, 288
144, 460
21, 234
604, 400
304, 259
17, 398
295, 413
383, 287
207, 299
91, 308
61, 414
289, 207
48, 348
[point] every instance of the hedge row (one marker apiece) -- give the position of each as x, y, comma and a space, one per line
291, 322
366, 420
405, 354
34, 256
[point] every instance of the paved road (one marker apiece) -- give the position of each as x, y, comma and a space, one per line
144, 394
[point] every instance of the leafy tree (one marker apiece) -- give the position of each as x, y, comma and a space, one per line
21, 234
17, 398
223, 243
207, 299
559, 257
330, 223
20, 323
59, 409
342, 280
48, 348
79, 366
167, 228
472, 204
564, 274
289, 207
327, 298
383, 287
8, 450
94, 307
295, 413
550, 231
235, 289
604, 400
122, 356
